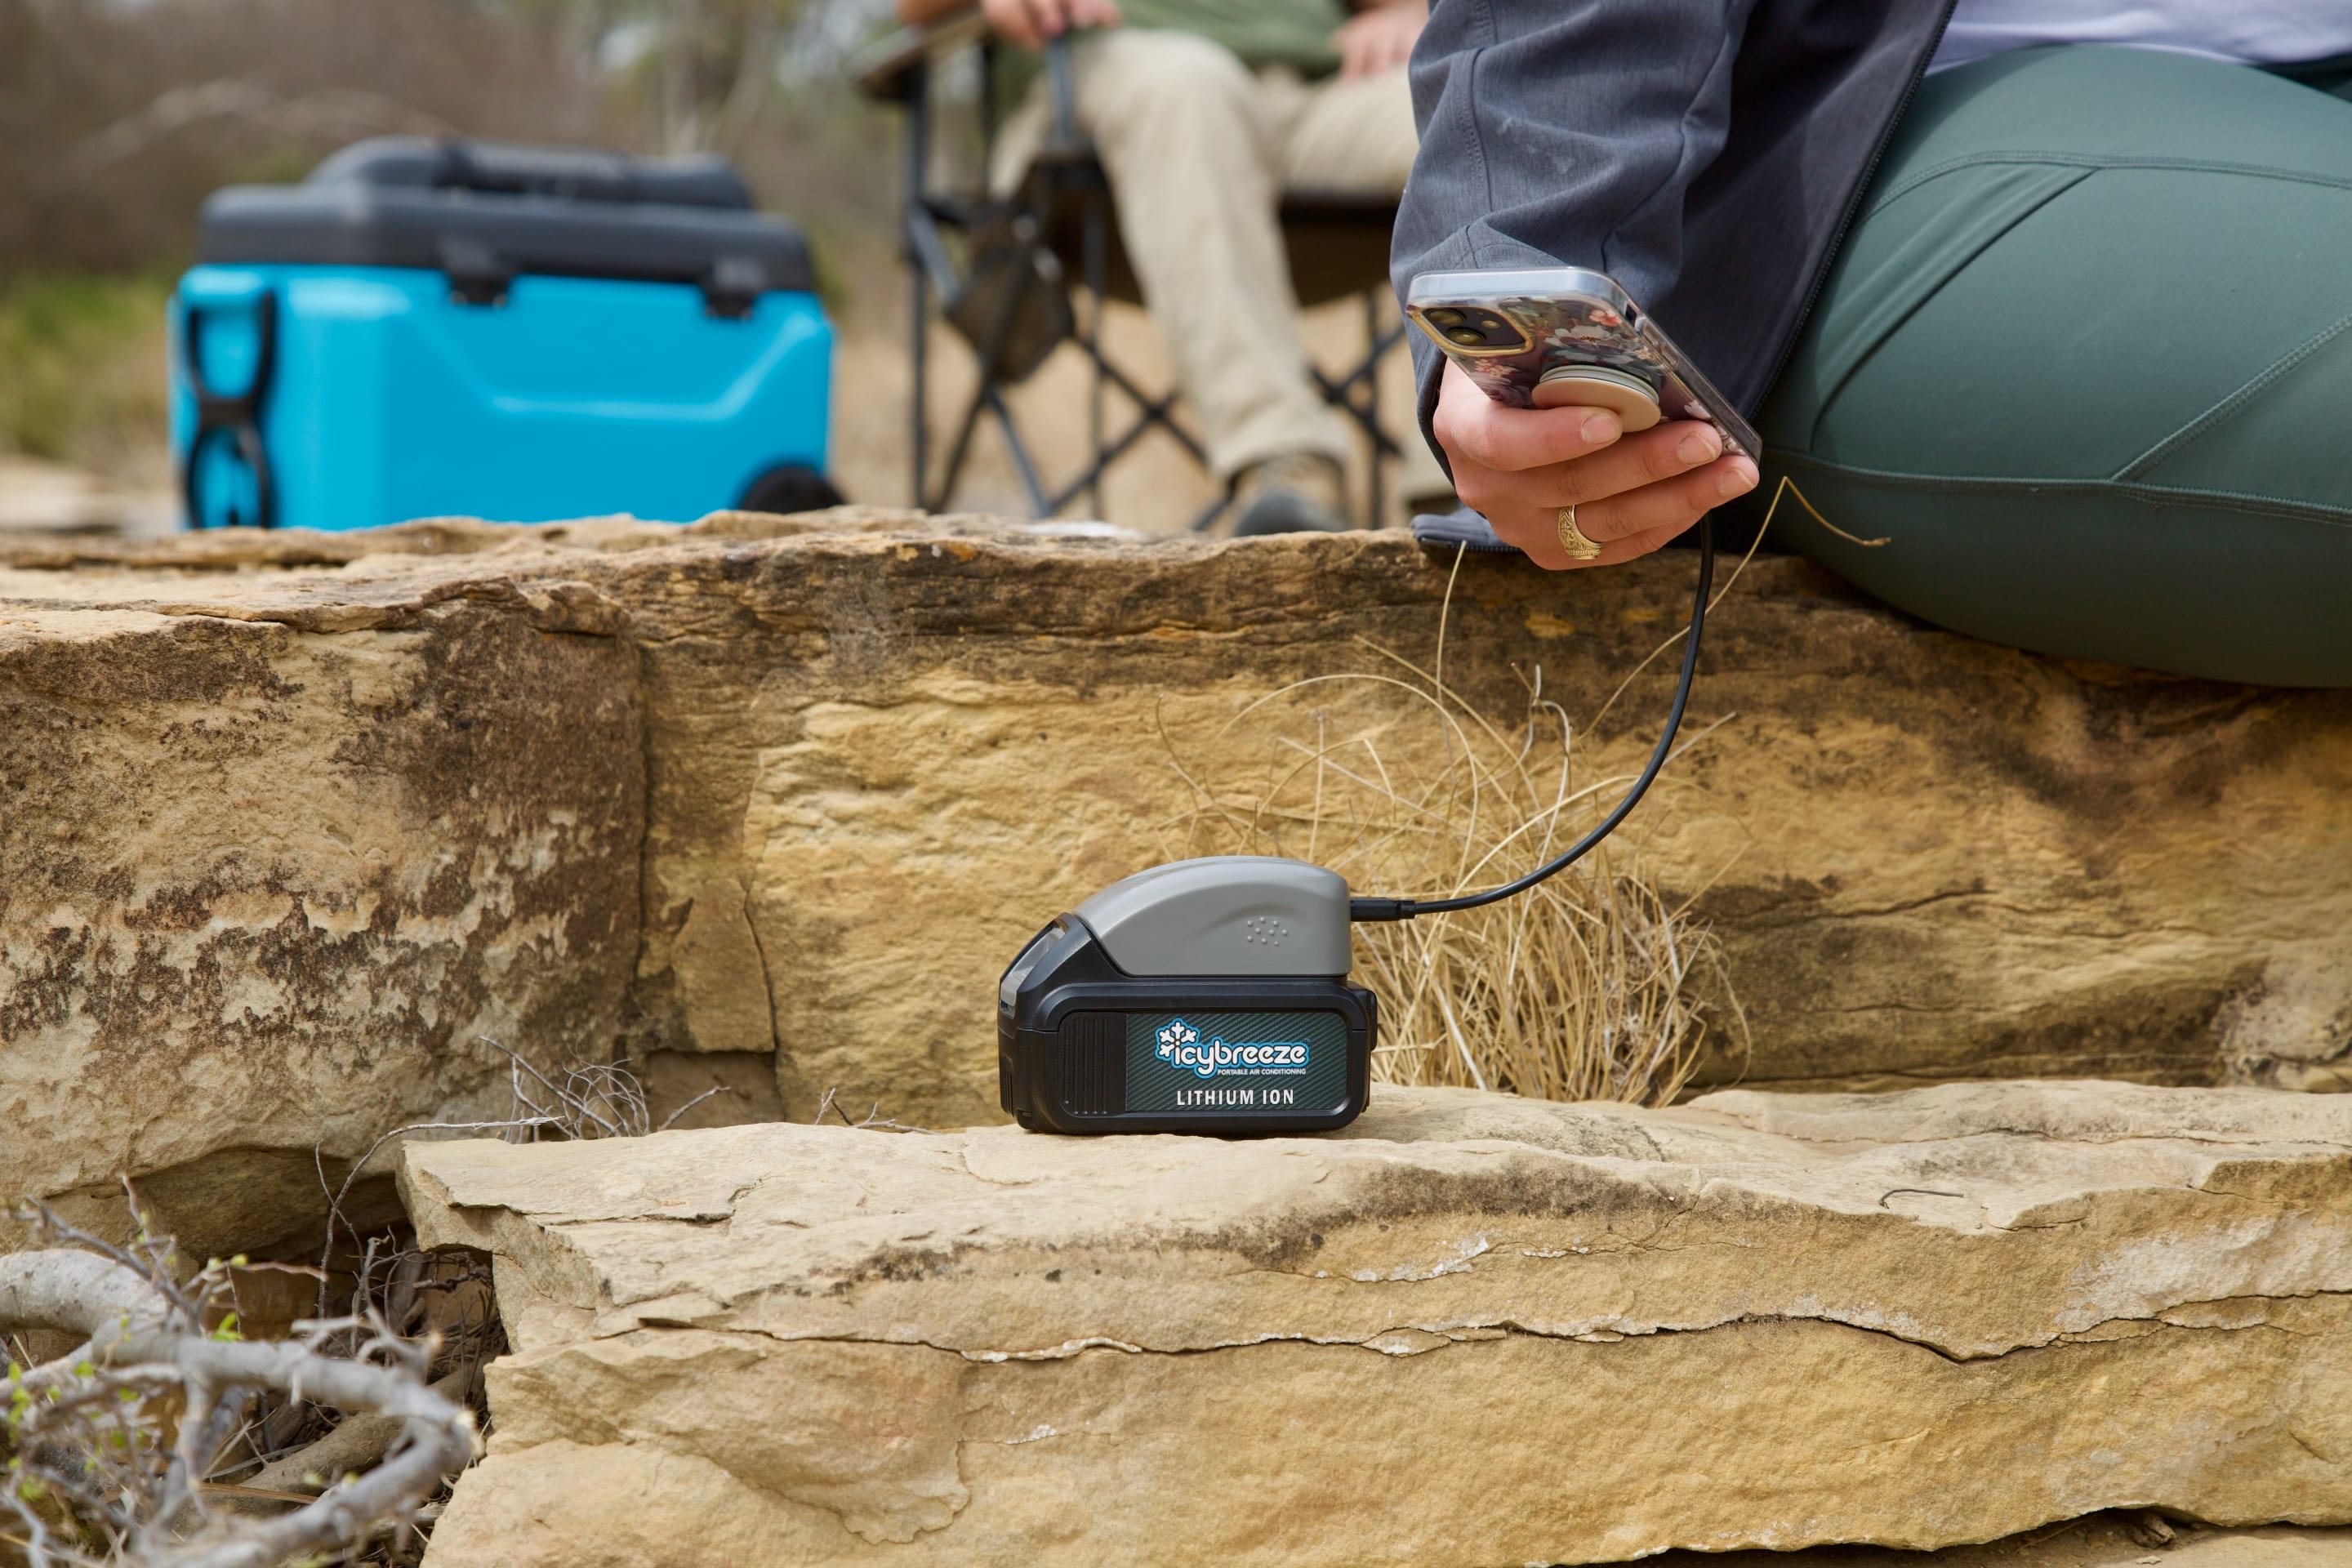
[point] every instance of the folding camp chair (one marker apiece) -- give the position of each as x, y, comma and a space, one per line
1001, 272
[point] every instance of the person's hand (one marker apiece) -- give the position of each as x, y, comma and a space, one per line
1631, 493
1030, 23
1379, 39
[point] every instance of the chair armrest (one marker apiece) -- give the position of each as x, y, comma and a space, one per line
890, 70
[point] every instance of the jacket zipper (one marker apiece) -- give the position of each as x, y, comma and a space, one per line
1852, 206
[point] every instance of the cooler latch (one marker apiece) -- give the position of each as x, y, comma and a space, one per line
478, 275
733, 286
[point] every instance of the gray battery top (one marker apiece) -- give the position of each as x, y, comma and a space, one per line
1225, 914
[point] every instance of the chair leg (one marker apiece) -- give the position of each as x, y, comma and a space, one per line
1364, 408
1149, 415
962, 445
918, 126
1336, 393
935, 281
1040, 504
919, 410
1096, 265
1157, 411
1208, 515
1375, 492
989, 397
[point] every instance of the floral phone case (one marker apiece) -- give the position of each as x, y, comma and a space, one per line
1527, 324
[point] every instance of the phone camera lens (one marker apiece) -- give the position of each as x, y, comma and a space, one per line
1443, 318
1467, 335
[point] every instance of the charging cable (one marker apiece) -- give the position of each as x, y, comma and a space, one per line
1407, 909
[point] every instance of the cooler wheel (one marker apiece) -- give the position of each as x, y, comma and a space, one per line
789, 488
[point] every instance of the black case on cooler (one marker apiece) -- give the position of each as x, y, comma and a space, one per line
1062, 1059
483, 212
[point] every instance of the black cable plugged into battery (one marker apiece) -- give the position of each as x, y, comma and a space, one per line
1212, 995
1409, 909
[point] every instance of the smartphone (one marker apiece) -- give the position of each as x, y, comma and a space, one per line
1544, 338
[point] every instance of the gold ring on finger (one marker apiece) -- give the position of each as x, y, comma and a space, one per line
1572, 539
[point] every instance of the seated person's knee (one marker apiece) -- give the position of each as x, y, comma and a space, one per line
1147, 70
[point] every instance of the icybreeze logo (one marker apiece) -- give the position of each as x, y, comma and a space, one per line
1180, 1047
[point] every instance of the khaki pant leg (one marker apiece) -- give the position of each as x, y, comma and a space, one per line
1187, 141
1350, 136
1359, 135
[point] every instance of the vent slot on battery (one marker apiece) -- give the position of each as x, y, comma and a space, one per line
1094, 1064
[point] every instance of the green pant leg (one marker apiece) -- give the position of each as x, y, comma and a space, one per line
2085, 360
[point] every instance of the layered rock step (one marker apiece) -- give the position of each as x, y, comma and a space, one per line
1470, 1330
2103, 1540
291, 825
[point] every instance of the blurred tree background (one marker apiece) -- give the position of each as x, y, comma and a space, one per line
118, 117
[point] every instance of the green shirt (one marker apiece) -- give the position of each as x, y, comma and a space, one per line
1295, 33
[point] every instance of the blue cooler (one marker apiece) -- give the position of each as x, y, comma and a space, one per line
434, 329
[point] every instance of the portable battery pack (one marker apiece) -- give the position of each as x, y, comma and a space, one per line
1101, 1029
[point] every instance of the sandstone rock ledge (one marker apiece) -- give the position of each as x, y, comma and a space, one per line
291, 824
1473, 1330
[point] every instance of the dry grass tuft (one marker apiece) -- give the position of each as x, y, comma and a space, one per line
1590, 986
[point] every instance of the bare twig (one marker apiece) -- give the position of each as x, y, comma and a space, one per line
671, 1120
89, 1479
875, 1121
335, 1196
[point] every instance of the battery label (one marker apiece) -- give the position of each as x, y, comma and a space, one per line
1236, 1063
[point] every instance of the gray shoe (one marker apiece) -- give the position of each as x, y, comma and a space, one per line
1456, 529
1298, 493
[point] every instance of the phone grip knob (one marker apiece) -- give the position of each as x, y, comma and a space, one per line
1629, 397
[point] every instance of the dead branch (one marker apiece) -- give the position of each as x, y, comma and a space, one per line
875, 1121
89, 1480
351, 1447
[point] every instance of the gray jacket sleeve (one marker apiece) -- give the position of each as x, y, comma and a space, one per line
1561, 132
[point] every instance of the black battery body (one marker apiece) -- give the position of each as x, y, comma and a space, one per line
1085, 1048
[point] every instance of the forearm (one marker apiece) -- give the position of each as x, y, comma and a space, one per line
1556, 135
1571, 131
